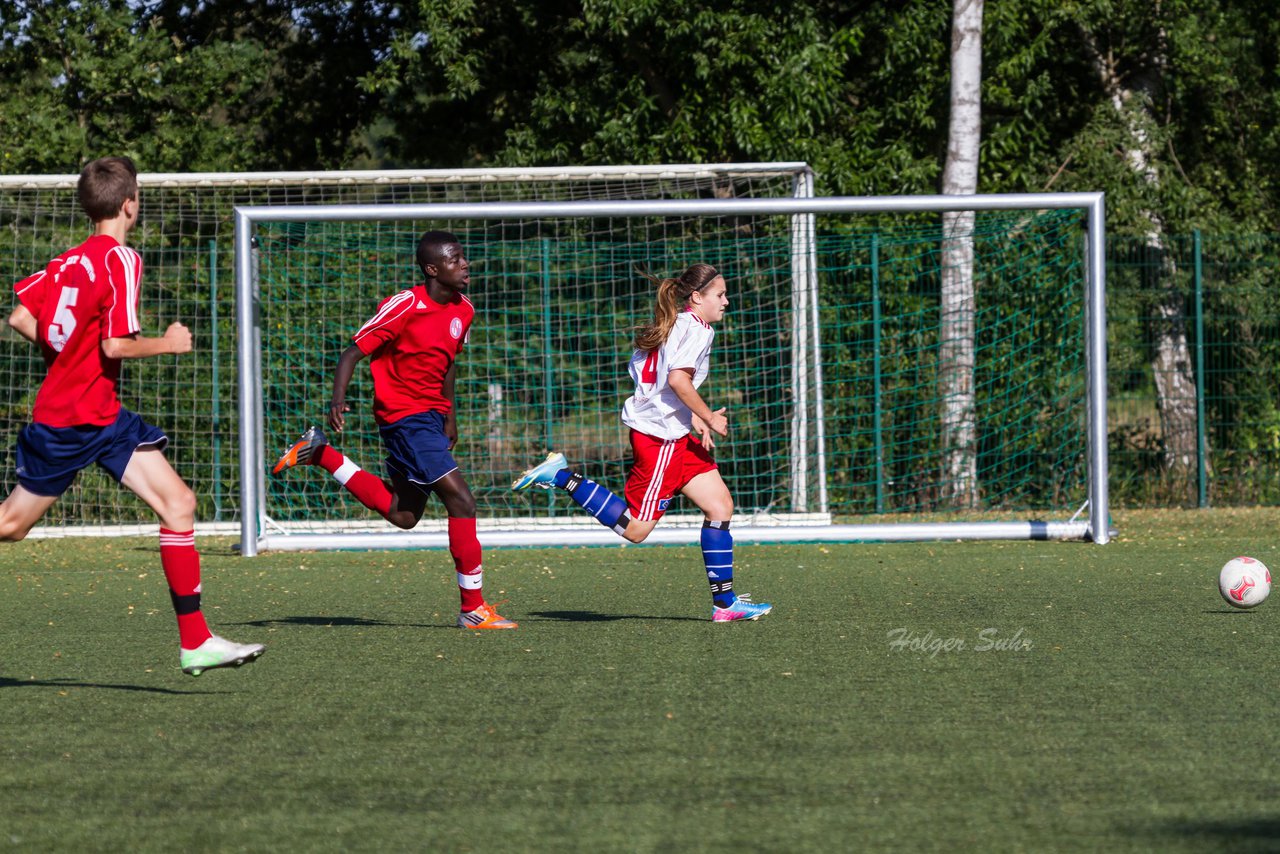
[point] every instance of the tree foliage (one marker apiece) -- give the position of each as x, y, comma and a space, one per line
184, 86
856, 88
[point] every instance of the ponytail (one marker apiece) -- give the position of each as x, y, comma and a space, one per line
673, 296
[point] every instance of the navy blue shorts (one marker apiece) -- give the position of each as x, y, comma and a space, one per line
418, 449
50, 457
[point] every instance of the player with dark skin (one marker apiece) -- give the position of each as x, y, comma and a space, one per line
413, 341
447, 277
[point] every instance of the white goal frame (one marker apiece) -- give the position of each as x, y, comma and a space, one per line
255, 525
186, 225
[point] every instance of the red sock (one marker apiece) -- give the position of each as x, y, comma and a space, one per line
465, 548
181, 564
369, 489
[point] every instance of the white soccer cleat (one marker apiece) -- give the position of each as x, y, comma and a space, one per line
218, 652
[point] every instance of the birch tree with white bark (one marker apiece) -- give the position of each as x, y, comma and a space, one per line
1133, 91
956, 350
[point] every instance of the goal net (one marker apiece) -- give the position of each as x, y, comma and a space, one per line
830, 361
185, 235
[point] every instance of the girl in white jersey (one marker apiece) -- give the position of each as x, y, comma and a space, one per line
672, 433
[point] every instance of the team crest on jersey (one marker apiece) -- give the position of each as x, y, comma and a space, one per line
455, 328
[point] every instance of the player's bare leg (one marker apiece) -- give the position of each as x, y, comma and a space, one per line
455, 494
464, 546
151, 478
20, 512
710, 494
638, 531
408, 501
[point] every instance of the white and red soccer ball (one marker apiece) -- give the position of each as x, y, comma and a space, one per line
1244, 582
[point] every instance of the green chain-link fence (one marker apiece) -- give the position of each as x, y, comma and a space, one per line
1194, 354
1194, 370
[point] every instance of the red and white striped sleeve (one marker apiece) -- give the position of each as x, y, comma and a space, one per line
124, 284
386, 324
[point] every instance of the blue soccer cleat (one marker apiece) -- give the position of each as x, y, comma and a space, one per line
543, 474
742, 608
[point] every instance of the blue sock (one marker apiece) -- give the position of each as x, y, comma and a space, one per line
609, 509
717, 554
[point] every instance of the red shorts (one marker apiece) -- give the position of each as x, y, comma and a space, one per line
659, 469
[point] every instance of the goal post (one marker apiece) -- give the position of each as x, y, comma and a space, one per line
301, 246
185, 236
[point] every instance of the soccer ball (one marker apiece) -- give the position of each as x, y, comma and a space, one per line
1244, 582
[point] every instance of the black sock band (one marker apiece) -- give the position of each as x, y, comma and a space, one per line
723, 526
183, 605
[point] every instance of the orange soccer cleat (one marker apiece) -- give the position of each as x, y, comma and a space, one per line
301, 451
484, 617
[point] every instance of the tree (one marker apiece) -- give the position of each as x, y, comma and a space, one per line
1134, 95
611, 82
956, 358
88, 79
308, 102
1169, 85
183, 86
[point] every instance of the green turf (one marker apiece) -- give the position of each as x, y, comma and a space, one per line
619, 718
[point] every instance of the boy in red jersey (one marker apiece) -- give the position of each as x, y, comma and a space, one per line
82, 310
413, 341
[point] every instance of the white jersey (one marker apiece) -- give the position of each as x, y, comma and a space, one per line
654, 409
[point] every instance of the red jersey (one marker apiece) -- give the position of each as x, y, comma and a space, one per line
413, 341
85, 296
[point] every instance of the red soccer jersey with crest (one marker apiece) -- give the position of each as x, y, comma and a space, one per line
413, 340
83, 297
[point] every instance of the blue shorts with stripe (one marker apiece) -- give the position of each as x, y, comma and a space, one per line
49, 458
418, 449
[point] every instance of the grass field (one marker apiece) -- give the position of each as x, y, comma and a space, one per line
1132, 710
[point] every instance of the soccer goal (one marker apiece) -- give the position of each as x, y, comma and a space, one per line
836, 361
185, 236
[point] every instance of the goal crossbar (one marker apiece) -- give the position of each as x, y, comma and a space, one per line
254, 535
499, 175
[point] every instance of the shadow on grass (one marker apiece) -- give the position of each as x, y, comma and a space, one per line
337, 622
1241, 611
1256, 834
596, 617
6, 682
362, 622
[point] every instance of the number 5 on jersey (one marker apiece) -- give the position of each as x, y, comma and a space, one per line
64, 321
